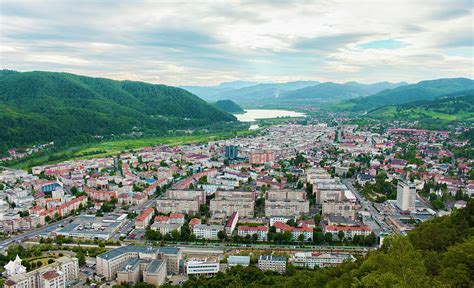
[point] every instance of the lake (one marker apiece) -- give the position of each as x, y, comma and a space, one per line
251, 115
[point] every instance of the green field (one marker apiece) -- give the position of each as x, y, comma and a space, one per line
109, 148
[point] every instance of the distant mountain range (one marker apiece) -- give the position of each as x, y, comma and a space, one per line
424, 90
350, 95
300, 91
61, 107
329, 91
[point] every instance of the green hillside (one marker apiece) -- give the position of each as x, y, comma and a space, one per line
453, 107
67, 108
438, 253
331, 92
229, 106
424, 90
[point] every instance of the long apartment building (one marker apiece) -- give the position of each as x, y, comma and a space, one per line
314, 259
56, 274
285, 203
331, 190
229, 202
181, 201
345, 209
210, 232
177, 205
110, 262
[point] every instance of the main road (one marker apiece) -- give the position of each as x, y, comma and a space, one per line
367, 205
33, 233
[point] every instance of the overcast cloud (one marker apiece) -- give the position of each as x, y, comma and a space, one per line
208, 42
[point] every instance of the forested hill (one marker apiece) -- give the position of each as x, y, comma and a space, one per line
424, 90
431, 114
229, 106
47, 106
438, 253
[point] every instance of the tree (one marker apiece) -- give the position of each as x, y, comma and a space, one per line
203, 209
317, 219
221, 235
185, 232
301, 237
254, 237
175, 234
318, 237
82, 258
328, 237
50, 261
340, 235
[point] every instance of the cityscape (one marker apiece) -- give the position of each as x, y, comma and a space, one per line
219, 175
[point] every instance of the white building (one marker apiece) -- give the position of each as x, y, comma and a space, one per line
210, 232
54, 275
272, 263
406, 195
238, 260
311, 260
206, 266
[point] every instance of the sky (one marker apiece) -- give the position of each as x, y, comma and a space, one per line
208, 42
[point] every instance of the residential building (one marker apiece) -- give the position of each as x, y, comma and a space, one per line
209, 232
54, 275
144, 218
272, 263
231, 152
314, 259
238, 260
339, 208
260, 231
110, 262
207, 266
406, 195
349, 231
231, 223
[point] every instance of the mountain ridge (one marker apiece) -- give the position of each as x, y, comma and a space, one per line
52, 106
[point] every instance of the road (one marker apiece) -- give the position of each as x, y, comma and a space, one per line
367, 206
23, 236
229, 246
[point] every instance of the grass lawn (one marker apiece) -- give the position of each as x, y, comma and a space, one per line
43, 259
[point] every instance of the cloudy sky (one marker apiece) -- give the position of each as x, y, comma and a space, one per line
208, 42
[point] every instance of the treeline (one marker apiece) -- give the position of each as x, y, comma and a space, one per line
438, 253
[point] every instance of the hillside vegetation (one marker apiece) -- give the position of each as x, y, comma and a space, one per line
67, 108
424, 90
229, 106
450, 108
438, 253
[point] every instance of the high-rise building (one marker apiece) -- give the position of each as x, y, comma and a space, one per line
406, 195
231, 152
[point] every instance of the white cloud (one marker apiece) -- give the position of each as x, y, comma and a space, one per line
181, 43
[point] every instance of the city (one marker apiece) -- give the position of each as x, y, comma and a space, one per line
315, 194
249, 144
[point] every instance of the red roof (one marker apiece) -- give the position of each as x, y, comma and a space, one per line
145, 214
160, 218
348, 228
231, 219
251, 228
194, 221
177, 215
